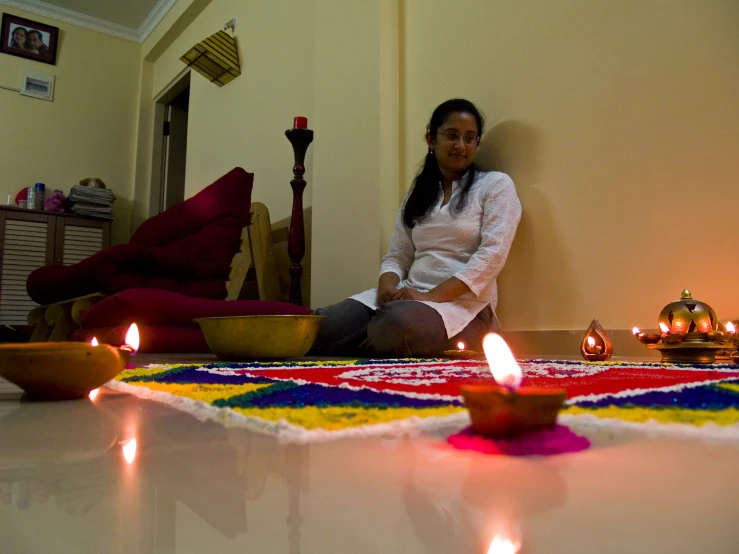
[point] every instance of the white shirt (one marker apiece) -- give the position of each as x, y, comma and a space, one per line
471, 245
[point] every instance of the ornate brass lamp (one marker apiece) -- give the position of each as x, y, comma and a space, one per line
691, 333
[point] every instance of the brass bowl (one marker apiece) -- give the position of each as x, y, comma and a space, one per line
260, 337
60, 370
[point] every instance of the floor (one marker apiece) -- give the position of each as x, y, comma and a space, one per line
73, 481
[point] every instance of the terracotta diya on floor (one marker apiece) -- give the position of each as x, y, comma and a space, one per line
65, 370
690, 332
461, 352
502, 408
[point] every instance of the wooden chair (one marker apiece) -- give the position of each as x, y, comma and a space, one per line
257, 257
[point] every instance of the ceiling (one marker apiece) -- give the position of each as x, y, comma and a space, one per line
131, 20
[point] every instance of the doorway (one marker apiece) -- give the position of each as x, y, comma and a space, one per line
169, 163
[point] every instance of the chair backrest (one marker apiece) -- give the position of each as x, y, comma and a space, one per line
257, 252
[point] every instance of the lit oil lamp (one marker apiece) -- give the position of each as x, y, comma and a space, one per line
596, 346
727, 335
461, 352
731, 329
668, 336
65, 370
646, 338
503, 408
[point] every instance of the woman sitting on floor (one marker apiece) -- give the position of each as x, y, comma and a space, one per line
451, 240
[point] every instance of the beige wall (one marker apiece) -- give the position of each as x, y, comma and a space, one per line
241, 124
619, 123
306, 58
89, 128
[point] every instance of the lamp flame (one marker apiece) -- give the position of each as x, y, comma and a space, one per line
636, 331
132, 338
129, 451
502, 364
500, 545
460, 345
664, 328
730, 328
93, 394
94, 341
591, 342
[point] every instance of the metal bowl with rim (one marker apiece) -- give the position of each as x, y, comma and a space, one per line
260, 337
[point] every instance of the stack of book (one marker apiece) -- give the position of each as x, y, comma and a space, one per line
92, 202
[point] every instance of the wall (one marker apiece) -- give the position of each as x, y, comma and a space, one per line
308, 58
619, 123
241, 124
88, 130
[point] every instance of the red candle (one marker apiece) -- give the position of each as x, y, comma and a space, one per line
300, 122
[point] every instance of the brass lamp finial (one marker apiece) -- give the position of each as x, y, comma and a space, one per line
686, 294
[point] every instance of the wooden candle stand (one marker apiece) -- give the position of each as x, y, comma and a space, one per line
300, 140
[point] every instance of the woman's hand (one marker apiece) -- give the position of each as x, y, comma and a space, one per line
407, 293
387, 287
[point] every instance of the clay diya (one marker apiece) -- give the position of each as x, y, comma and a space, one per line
502, 408
461, 352
646, 338
65, 370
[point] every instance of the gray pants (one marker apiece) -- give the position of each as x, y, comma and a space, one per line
400, 329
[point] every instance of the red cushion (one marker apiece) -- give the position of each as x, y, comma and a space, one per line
153, 338
165, 308
187, 249
228, 197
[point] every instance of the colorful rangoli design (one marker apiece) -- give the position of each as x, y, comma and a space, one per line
304, 401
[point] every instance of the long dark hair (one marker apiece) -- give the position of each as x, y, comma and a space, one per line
425, 189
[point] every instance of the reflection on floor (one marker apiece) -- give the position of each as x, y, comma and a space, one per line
71, 482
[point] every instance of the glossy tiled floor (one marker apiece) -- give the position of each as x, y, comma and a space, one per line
66, 486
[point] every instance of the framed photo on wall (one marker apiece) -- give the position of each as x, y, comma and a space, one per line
28, 39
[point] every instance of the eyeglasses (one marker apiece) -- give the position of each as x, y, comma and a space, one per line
454, 137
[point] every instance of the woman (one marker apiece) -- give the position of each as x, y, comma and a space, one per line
18, 38
438, 280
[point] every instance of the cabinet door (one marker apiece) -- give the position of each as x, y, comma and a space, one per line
77, 239
25, 241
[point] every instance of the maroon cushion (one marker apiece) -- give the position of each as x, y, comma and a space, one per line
154, 338
188, 249
165, 308
228, 197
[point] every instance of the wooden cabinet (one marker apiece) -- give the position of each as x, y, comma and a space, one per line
30, 239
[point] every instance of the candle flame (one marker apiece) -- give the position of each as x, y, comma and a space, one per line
501, 361
730, 328
460, 345
132, 337
591, 342
501, 545
129, 451
94, 341
93, 394
636, 330
664, 328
